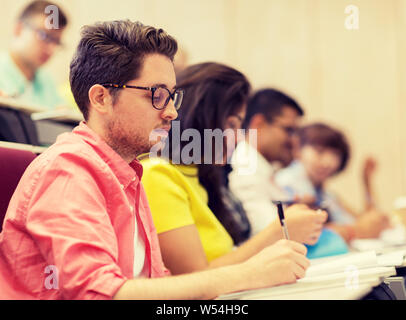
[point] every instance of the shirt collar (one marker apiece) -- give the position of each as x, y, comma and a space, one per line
247, 155
125, 173
190, 170
23, 82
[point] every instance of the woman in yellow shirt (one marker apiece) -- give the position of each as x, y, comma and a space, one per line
183, 204
184, 184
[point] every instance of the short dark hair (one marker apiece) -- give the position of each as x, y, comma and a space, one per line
38, 8
113, 52
322, 135
269, 103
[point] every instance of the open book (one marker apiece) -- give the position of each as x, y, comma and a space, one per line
344, 272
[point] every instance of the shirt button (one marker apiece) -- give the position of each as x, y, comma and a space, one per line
133, 179
131, 208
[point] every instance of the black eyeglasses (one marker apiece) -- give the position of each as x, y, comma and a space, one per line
160, 95
44, 36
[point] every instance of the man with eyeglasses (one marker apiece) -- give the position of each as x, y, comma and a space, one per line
37, 35
79, 225
275, 117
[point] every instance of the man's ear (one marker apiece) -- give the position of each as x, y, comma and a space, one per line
257, 121
100, 99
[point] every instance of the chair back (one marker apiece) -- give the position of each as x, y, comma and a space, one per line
12, 166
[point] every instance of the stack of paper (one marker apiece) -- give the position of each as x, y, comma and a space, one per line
350, 274
394, 258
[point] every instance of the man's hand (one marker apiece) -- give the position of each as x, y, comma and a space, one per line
305, 225
281, 263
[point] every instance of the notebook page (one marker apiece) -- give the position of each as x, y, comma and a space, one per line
341, 263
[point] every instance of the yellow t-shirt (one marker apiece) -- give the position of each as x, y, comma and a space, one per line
177, 199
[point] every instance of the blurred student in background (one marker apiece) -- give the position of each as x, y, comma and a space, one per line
324, 153
181, 60
195, 223
37, 35
275, 117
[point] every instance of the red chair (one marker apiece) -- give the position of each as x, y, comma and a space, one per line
12, 166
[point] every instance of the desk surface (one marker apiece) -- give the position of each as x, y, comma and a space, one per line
62, 115
17, 105
21, 146
312, 291
37, 113
325, 294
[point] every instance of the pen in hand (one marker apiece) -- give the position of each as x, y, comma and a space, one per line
282, 219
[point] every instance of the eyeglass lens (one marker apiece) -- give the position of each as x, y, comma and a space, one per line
162, 96
43, 36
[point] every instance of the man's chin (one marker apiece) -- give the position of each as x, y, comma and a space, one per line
156, 146
39, 63
286, 162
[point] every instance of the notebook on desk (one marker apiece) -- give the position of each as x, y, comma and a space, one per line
346, 272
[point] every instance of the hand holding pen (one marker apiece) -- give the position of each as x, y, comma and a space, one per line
304, 224
281, 215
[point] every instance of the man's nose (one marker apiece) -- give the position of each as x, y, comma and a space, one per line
170, 113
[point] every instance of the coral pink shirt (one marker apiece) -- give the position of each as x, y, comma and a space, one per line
69, 228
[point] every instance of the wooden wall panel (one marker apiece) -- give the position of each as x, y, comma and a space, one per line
355, 80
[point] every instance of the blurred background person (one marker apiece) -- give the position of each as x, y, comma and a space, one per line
275, 117
323, 153
181, 60
32, 45
189, 203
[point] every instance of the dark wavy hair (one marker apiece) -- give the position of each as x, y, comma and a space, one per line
114, 52
213, 92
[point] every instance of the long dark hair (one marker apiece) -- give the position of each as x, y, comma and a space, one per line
213, 93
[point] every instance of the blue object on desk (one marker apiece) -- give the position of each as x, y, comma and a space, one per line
329, 244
